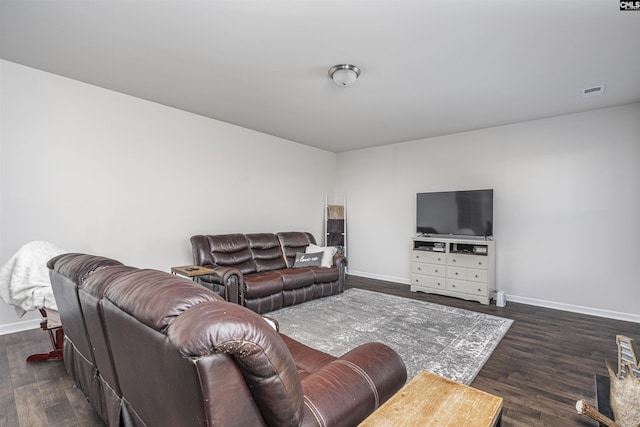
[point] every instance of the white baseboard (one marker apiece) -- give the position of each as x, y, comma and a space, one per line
627, 317
24, 325
380, 277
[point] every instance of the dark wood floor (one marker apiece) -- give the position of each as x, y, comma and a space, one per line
543, 365
545, 362
41, 393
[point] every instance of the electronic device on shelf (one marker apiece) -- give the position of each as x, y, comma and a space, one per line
458, 213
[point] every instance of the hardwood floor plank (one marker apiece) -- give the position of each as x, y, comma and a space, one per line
61, 414
17, 353
29, 406
8, 411
38, 393
84, 414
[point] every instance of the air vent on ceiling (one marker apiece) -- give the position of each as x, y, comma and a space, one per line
592, 91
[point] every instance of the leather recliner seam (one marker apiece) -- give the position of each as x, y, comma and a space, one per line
314, 410
366, 377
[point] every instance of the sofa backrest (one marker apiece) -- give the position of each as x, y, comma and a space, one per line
293, 242
225, 250
91, 297
156, 383
186, 357
68, 273
77, 267
250, 253
266, 251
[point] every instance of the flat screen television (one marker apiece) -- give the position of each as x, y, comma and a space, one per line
458, 213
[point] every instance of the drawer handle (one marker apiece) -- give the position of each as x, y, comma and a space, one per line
456, 273
479, 290
479, 262
476, 276
453, 286
439, 259
453, 260
420, 269
435, 271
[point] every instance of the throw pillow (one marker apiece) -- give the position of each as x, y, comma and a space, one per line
307, 260
328, 253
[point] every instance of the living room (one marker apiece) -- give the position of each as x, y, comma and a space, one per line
98, 171
97, 152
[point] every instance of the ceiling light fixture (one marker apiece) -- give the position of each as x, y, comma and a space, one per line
344, 74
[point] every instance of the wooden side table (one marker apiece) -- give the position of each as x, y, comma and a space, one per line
192, 271
431, 400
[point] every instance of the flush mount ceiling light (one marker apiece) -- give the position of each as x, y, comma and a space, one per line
344, 74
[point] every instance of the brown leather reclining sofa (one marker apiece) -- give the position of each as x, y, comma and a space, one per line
257, 270
148, 348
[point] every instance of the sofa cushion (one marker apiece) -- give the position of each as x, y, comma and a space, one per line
323, 274
293, 242
265, 304
262, 284
232, 250
308, 360
266, 251
297, 278
308, 259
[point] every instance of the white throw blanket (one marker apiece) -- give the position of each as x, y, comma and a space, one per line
24, 279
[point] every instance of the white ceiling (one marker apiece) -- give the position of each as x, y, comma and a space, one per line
428, 67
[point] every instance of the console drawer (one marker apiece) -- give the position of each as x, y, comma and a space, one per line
467, 287
470, 261
430, 257
428, 281
436, 270
430, 269
476, 275
459, 273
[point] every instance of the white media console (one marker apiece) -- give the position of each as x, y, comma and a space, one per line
456, 267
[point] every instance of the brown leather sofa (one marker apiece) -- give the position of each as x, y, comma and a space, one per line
256, 270
152, 349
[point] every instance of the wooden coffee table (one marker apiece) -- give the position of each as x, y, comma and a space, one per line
431, 400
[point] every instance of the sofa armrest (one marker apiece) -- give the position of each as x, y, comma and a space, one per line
347, 390
228, 277
341, 262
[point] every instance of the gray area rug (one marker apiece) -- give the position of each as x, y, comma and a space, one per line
448, 341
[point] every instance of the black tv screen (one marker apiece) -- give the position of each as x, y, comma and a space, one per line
460, 213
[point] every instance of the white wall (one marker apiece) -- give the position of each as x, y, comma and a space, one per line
567, 205
95, 171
